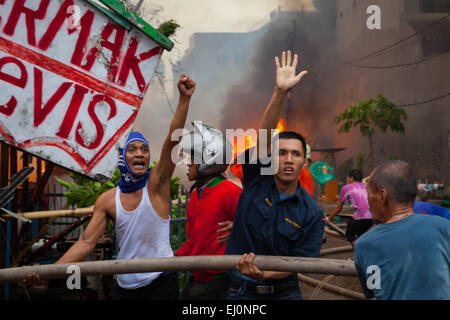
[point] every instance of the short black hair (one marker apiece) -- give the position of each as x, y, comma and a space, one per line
293, 135
398, 179
356, 174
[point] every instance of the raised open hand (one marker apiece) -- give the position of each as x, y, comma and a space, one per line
286, 69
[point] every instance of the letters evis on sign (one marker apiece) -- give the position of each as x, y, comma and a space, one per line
71, 85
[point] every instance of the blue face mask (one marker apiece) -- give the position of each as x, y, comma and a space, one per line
128, 181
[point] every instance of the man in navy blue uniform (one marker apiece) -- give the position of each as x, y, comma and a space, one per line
275, 214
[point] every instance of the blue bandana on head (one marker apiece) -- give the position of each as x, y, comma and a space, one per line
128, 181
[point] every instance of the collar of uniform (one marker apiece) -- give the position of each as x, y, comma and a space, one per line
298, 193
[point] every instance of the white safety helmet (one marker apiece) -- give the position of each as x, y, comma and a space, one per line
208, 147
308, 152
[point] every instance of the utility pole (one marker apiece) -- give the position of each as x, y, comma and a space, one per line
138, 5
290, 98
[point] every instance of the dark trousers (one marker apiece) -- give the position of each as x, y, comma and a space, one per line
165, 287
356, 228
242, 291
216, 289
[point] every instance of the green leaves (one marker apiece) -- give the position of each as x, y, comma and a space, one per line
168, 28
370, 115
174, 187
83, 192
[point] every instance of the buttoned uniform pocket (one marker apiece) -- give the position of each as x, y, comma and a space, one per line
290, 230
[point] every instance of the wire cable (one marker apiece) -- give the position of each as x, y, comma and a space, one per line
399, 41
403, 64
165, 92
424, 102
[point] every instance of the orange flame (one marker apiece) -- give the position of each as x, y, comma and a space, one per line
281, 126
250, 142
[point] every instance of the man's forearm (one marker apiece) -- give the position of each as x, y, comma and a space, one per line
336, 210
77, 252
272, 114
273, 110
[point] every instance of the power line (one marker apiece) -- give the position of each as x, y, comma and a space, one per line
423, 102
165, 93
370, 55
410, 43
403, 64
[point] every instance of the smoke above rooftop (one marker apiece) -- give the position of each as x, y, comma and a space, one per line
309, 109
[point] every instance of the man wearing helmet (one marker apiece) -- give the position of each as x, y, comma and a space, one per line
140, 209
275, 215
211, 208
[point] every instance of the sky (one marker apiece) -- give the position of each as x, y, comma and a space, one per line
212, 15
208, 16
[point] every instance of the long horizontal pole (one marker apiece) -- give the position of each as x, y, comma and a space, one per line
225, 262
64, 212
56, 213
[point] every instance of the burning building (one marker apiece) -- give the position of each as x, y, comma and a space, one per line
406, 61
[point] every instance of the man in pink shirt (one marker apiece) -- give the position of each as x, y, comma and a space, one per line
355, 191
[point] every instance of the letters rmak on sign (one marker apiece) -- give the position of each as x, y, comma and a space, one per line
70, 93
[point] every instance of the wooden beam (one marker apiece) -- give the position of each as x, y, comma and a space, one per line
64, 213
49, 166
4, 168
225, 262
336, 250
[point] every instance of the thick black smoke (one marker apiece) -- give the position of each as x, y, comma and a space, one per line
312, 108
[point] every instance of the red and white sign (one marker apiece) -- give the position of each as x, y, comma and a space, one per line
70, 93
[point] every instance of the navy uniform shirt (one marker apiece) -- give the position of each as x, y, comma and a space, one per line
266, 225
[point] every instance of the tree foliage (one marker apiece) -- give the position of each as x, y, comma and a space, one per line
373, 114
83, 192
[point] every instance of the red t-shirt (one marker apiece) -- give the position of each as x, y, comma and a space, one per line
217, 203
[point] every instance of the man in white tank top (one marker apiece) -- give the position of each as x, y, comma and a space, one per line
140, 209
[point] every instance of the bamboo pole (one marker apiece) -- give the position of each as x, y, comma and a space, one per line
331, 287
56, 213
64, 213
336, 250
334, 234
335, 228
225, 262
